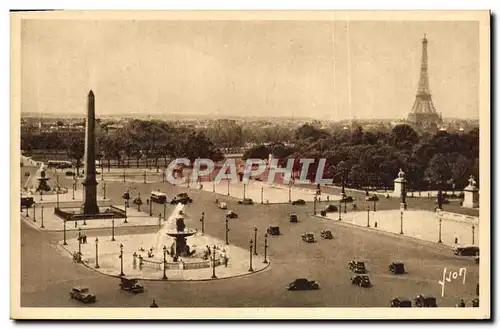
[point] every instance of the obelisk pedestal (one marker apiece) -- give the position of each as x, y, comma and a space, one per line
90, 206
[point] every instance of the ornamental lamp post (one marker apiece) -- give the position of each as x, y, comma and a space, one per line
289, 193
261, 194
250, 269
473, 227
255, 241
265, 249
202, 220
41, 215
228, 187
374, 205
227, 230
57, 197
121, 260
34, 212
165, 210
159, 221
340, 210
74, 187
113, 228
440, 223
96, 253
368, 216
64, 230
314, 205
164, 262
401, 231
244, 190
213, 264
80, 240
104, 190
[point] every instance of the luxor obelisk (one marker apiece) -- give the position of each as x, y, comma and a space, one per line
90, 206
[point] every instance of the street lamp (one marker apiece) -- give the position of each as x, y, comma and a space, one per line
164, 262
213, 263
289, 193
64, 230
265, 249
74, 187
314, 204
401, 232
144, 176
250, 269
368, 216
244, 190
96, 253
255, 241
228, 187
340, 210
41, 215
121, 260
261, 194
473, 227
34, 212
57, 197
104, 190
159, 221
165, 210
374, 205
113, 228
227, 230
440, 223
150, 207
79, 240
202, 220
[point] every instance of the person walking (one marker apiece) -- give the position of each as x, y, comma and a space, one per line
153, 304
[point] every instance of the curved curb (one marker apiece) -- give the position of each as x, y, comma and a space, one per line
170, 280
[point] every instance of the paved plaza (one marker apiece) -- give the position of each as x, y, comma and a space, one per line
109, 257
423, 225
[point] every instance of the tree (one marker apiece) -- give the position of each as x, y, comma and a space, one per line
258, 152
404, 136
76, 152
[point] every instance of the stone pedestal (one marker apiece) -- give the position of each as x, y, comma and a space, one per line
471, 197
400, 191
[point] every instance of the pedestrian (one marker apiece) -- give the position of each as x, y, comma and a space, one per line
153, 304
456, 240
226, 260
76, 223
462, 303
85, 238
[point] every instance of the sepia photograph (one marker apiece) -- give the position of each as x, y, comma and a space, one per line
250, 165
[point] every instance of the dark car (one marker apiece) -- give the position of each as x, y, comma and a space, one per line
181, 198
371, 198
246, 201
308, 237
361, 280
400, 302
466, 251
347, 199
27, 202
273, 230
303, 284
331, 208
422, 301
357, 267
298, 202
293, 218
397, 268
131, 285
326, 234
82, 294
231, 214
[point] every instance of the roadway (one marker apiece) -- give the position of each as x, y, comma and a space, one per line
46, 277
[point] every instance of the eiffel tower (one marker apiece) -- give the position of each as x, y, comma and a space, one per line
423, 112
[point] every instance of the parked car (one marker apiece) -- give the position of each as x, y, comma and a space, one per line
303, 284
273, 230
397, 268
231, 214
373, 197
181, 198
331, 208
361, 280
347, 199
69, 173
82, 294
308, 237
131, 285
27, 202
422, 301
246, 201
158, 197
326, 234
357, 267
298, 202
222, 205
400, 302
466, 251
293, 218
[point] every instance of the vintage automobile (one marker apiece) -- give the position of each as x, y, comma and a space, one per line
326, 234
357, 267
294, 218
273, 230
361, 280
222, 205
400, 302
331, 208
246, 201
82, 294
466, 251
131, 285
373, 197
347, 199
181, 198
158, 197
231, 214
308, 237
397, 268
298, 202
422, 301
303, 284
27, 202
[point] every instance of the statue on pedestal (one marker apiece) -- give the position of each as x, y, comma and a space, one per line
401, 173
472, 181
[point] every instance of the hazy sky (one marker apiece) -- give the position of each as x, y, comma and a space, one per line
261, 68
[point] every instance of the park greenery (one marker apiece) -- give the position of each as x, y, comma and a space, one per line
361, 158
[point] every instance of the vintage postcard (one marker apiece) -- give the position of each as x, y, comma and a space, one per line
250, 165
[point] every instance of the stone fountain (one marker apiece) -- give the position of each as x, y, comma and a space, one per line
180, 234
